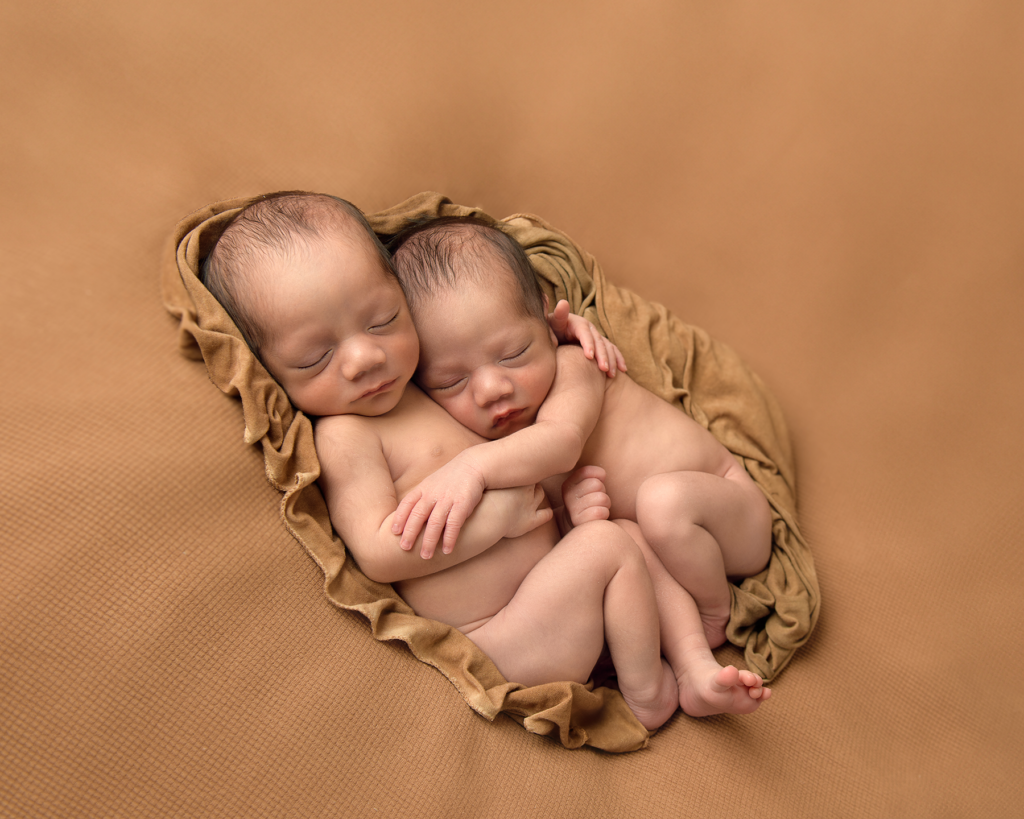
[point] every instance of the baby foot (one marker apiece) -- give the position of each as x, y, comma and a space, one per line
654, 713
710, 689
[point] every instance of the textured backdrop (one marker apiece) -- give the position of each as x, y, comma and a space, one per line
837, 191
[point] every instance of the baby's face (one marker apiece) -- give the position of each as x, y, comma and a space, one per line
340, 337
489, 366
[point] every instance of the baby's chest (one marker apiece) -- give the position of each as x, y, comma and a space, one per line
415, 450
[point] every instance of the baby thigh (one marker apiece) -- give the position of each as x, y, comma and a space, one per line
554, 627
732, 509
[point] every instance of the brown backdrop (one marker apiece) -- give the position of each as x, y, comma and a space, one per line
835, 190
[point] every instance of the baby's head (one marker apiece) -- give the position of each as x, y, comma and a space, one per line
487, 354
312, 290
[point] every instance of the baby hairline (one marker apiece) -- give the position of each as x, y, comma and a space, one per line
420, 299
258, 307
269, 227
434, 257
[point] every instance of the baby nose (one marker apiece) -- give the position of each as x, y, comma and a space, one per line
492, 386
362, 357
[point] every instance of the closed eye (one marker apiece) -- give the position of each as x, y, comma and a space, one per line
517, 355
387, 323
315, 363
449, 386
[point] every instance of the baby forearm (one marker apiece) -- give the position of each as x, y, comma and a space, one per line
384, 561
528, 456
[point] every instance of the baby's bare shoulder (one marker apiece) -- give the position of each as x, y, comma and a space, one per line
572, 358
346, 440
574, 371
343, 428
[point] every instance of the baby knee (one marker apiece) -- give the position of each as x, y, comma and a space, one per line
661, 504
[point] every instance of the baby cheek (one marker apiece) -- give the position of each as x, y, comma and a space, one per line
468, 414
539, 384
303, 400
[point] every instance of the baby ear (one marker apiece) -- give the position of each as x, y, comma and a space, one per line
548, 319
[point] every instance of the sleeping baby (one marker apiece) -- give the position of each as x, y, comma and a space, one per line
488, 357
313, 292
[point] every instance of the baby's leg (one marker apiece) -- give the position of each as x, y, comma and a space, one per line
705, 528
705, 687
591, 587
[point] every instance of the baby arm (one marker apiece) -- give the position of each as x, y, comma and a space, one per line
550, 446
441, 504
362, 500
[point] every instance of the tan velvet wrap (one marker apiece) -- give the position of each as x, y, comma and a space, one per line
773, 612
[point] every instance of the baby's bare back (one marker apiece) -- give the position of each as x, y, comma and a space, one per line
418, 438
639, 435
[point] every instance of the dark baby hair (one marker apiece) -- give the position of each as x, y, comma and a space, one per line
270, 227
432, 257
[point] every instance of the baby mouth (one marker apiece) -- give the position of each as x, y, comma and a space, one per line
506, 417
379, 389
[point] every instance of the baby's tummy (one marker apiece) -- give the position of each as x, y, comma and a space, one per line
474, 591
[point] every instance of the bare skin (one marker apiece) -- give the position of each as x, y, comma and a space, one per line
698, 508
704, 686
547, 411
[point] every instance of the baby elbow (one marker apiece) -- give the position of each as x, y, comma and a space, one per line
376, 569
572, 446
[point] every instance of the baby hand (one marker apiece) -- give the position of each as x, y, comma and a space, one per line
584, 495
569, 328
439, 505
530, 510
